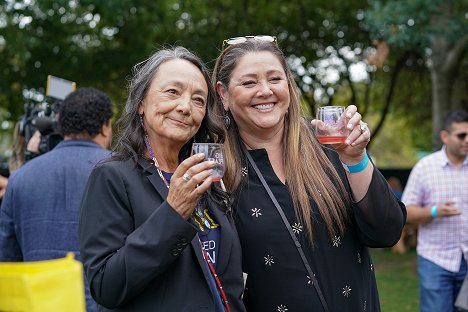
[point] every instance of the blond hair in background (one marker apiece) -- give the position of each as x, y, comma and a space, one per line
17, 156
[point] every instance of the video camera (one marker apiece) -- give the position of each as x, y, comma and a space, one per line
44, 117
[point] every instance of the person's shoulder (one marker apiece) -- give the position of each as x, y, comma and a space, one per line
112, 164
38, 163
101, 153
430, 159
115, 171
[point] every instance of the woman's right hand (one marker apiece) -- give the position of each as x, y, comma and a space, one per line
184, 193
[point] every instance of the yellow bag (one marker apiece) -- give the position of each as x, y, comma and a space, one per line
50, 285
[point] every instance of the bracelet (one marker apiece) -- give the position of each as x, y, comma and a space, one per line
360, 166
434, 211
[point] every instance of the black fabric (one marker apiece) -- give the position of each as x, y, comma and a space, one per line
139, 254
277, 279
291, 232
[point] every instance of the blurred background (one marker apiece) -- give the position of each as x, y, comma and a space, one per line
403, 63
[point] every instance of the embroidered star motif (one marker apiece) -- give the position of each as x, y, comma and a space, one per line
359, 257
365, 305
309, 280
336, 241
282, 308
269, 260
244, 171
297, 228
256, 212
346, 291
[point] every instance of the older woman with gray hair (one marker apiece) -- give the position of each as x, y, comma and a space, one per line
155, 230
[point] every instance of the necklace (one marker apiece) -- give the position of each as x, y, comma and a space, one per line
199, 212
153, 157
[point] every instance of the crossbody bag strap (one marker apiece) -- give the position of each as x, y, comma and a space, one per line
291, 233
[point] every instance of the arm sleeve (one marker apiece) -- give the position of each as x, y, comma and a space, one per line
414, 190
379, 216
10, 249
120, 259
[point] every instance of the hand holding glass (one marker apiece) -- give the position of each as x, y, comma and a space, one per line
330, 127
213, 152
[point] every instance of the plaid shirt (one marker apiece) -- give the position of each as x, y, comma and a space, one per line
434, 180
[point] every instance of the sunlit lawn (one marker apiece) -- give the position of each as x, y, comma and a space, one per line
397, 280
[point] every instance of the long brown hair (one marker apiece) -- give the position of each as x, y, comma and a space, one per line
309, 172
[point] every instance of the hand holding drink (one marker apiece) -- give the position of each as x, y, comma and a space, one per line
454, 204
330, 127
448, 208
213, 152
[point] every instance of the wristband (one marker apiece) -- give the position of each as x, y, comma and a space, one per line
434, 211
357, 167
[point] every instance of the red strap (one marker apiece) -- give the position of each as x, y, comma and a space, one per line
218, 282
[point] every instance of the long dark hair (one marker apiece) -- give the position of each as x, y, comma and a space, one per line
309, 172
130, 143
130, 132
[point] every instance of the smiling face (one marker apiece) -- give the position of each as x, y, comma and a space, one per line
175, 104
258, 93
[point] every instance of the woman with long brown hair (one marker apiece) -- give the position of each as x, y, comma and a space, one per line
304, 221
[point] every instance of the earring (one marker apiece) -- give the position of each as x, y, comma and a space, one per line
141, 122
227, 120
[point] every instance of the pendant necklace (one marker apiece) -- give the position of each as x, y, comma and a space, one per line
153, 157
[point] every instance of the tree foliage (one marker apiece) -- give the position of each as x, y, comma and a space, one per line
437, 31
96, 43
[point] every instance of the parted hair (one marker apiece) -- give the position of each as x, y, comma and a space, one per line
130, 143
310, 175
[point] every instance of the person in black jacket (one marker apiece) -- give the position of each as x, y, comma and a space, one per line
155, 231
308, 252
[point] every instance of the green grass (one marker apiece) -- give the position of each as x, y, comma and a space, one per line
397, 280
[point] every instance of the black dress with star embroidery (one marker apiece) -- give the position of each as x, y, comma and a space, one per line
277, 279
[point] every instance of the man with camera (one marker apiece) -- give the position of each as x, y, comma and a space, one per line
40, 210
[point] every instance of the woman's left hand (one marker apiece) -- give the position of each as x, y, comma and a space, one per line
358, 138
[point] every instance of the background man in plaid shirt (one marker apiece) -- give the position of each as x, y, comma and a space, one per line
436, 198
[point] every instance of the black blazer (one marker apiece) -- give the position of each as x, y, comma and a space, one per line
139, 254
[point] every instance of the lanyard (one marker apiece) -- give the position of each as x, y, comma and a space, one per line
205, 255
156, 164
216, 278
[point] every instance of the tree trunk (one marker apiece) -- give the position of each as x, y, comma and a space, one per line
396, 70
441, 102
445, 60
